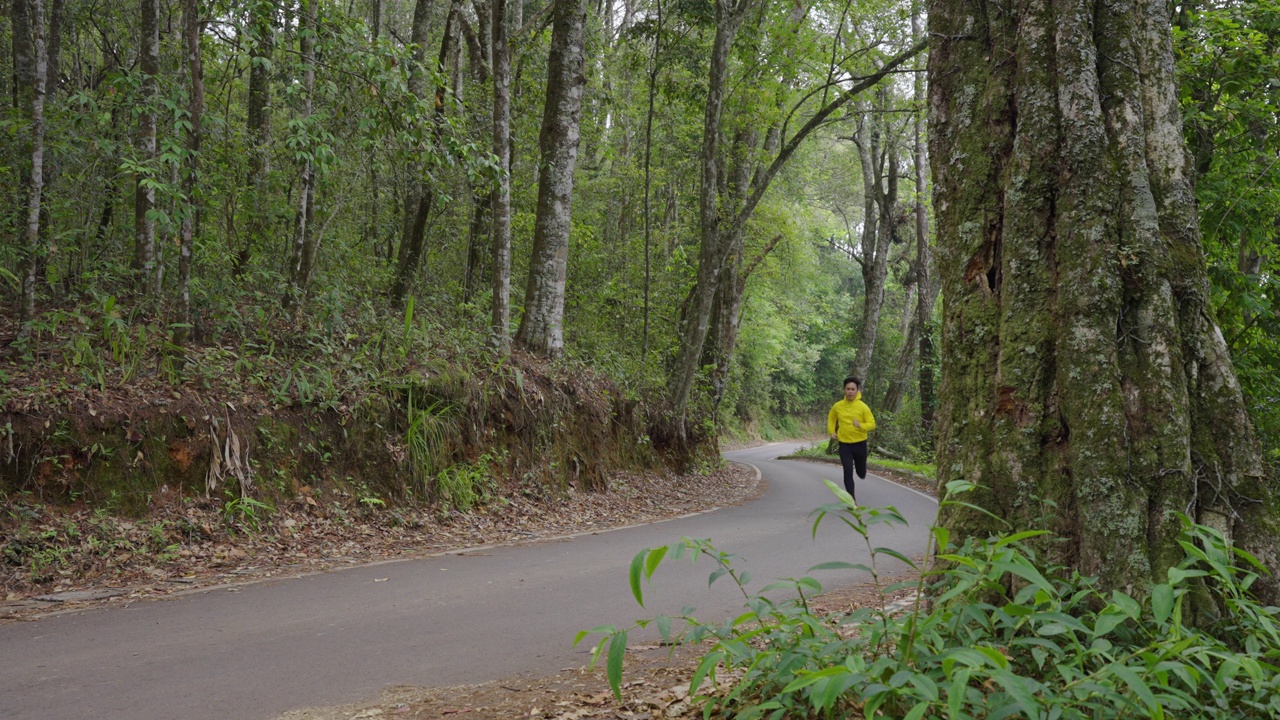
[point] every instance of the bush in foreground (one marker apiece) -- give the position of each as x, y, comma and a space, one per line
995, 632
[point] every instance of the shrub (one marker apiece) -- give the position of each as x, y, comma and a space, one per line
1002, 634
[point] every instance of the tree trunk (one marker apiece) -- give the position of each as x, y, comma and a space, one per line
261, 48
24, 54
541, 327
417, 83
726, 309
727, 318
716, 241
53, 67
879, 158
481, 204
303, 254
729, 15
195, 69
648, 180
374, 227
35, 178
422, 200
917, 351
926, 286
1081, 360
145, 257
501, 220
906, 363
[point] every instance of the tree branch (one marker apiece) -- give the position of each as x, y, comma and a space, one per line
740, 220
768, 248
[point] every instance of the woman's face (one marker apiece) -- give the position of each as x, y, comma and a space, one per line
851, 391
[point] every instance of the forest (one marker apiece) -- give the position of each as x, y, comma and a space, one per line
405, 252
275, 193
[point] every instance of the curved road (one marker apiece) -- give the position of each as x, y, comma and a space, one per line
258, 650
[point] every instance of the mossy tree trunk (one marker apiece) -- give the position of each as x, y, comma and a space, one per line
1081, 360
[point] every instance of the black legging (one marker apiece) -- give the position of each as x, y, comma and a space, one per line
853, 455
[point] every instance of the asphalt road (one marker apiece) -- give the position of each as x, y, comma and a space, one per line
258, 650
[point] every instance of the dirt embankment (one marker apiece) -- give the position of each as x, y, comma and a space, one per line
119, 483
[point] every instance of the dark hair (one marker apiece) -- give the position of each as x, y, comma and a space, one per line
852, 379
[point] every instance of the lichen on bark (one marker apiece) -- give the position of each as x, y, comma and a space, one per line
1085, 384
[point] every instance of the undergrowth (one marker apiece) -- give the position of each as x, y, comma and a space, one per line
413, 404
995, 632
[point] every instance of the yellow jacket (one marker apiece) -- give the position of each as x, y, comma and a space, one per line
842, 415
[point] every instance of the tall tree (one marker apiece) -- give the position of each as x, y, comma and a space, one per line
501, 215
917, 350
729, 16
720, 227
146, 259
24, 55
373, 230
926, 284
878, 154
542, 326
34, 9
304, 235
422, 199
261, 35
652, 77
1081, 360
417, 86
191, 171
53, 51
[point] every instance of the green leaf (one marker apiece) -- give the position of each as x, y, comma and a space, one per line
1137, 685
602, 629
975, 508
845, 498
943, 537
1021, 690
1127, 605
1026, 571
637, 567
1179, 574
1161, 601
708, 664
895, 554
617, 650
1010, 539
997, 657
917, 712
719, 573
655, 558
1107, 622
810, 678
664, 627
956, 694
925, 686
839, 565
